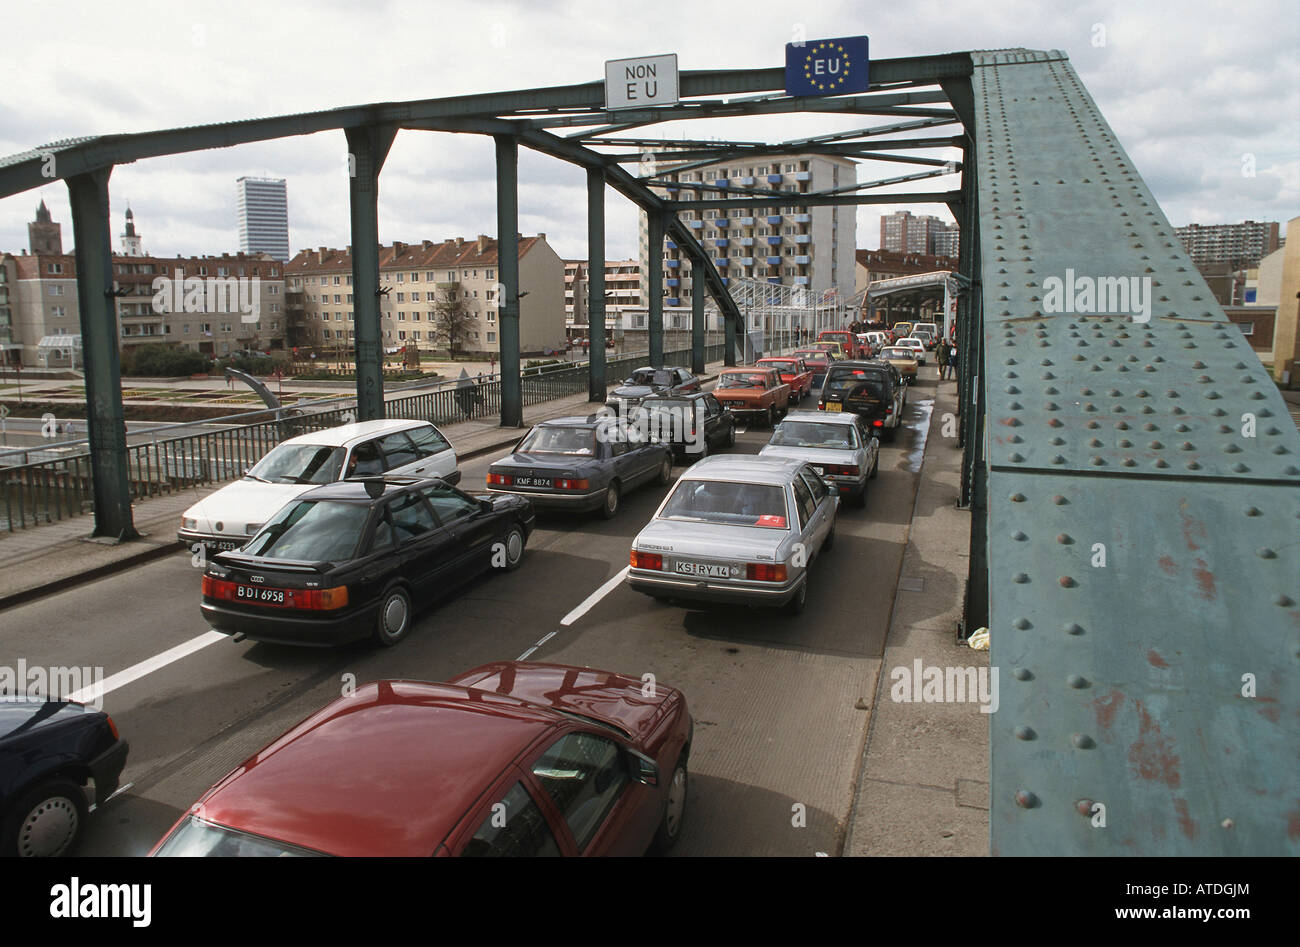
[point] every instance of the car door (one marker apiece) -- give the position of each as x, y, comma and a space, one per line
509, 823
716, 422
435, 455
426, 549
400, 454
822, 513
366, 460
472, 528
586, 778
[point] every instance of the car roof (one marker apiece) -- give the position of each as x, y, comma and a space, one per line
345, 434
389, 770
749, 468
355, 489
823, 417
576, 420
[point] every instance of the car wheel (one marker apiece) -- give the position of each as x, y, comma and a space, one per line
771, 416
514, 544
394, 618
875, 467
795, 605
47, 821
731, 436
860, 499
610, 506
666, 468
670, 825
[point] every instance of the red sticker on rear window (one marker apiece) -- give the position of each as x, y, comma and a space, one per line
767, 519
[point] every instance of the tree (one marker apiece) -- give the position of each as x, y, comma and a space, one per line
452, 321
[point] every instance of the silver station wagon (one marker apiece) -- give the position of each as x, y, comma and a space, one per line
839, 448
736, 529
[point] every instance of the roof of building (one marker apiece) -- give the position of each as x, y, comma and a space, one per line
426, 254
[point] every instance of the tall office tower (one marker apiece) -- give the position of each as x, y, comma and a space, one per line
263, 209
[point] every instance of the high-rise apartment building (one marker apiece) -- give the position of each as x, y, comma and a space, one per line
1241, 245
810, 247
262, 206
622, 291
903, 232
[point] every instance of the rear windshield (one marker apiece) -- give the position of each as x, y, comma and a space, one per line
815, 434
742, 381
896, 352
576, 441
311, 531
818, 357
194, 837
779, 366
857, 383
650, 376
728, 504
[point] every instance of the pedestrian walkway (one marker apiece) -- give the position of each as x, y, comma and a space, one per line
923, 784
49, 557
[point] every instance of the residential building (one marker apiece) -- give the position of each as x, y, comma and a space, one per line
262, 207
44, 321
415, 281
903, 232
622, 292
785, 244
1238, 245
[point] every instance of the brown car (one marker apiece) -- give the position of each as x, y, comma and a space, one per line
753, 392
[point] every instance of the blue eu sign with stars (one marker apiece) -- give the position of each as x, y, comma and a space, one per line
826, 66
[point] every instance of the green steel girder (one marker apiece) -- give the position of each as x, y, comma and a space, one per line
596, 386
814, 200
368, 147
1143, 500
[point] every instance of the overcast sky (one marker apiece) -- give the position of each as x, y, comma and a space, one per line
1191, 88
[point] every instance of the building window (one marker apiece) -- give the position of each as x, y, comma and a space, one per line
401, 297
415, 277
491, 336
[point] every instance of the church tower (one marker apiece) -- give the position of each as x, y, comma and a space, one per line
43, 234
130, 239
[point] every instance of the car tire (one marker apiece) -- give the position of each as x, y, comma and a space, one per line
609, 509
394, 618
860, 498
666, 468
515, 542
731, 436
771, 416
670, 823
49, 819
796, 605
875, 467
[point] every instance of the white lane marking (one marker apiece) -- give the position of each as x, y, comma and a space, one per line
116, 793
148, 666
524, 656
546, 639
590, 601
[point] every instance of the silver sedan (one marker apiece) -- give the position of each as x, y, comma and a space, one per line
836, 445
736, 529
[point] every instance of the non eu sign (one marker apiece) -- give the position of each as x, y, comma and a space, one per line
827, 66
642, 82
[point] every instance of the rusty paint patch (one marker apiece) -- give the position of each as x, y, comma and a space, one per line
1185, 821
1106, 707
1152, 754
1271, 714
1167, 565
1205, 581
1193, 529
1154, 659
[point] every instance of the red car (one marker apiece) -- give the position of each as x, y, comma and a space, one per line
511, 758
793, 372
848, 341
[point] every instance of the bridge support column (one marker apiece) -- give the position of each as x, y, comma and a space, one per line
368, 147
105, 419
655, 277
697, 319
596, 386
512, 398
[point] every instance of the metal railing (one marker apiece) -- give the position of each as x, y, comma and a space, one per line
55, 488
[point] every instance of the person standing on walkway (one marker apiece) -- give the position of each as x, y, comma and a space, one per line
943, 360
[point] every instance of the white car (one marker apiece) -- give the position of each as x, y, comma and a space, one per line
929, 331
877, 339
916, 345
841, 451
228, 518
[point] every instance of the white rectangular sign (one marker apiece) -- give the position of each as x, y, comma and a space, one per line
641, 82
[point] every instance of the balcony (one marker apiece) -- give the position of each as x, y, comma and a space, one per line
802, 238
721, 182
673, 264
745, 182
801, 281
720, 242
802, 218
745, 260
673, 300
695, 224
720, 262
670, 245
773, 241
773, 260
774, 179
774, 279
673, 281
744, 221
802, 175
802, 259
774, 219
745, 241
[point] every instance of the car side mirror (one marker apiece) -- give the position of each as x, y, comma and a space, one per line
485, 506
642, 768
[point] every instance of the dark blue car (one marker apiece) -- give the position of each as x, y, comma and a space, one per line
581, 464
53, 753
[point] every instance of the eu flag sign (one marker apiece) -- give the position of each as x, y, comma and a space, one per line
826, 66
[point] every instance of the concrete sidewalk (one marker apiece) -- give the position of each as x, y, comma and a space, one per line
44, 559
922, 788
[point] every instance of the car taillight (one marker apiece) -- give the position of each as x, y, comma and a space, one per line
889, 409
112, 727
647, 560
842, 470
501, 480
878, 423
572, 484
765, 572
219, 589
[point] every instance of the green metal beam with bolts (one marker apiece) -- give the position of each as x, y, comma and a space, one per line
1143, 507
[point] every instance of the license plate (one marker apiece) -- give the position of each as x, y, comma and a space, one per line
533, 481
703, 569
834, 406
249, 593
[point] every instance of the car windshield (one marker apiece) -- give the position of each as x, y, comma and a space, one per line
742, 381
780, 366
299, 463
575, 441
857, 384
813, 358
728, 504
196, 838
814, 434
311, 531
895, 352
651, 376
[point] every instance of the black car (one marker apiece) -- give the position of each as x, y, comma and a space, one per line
50, 752
579, 464
647, 381
694, 424
873, 389
356, 559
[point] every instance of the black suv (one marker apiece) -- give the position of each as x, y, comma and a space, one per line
873, 389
